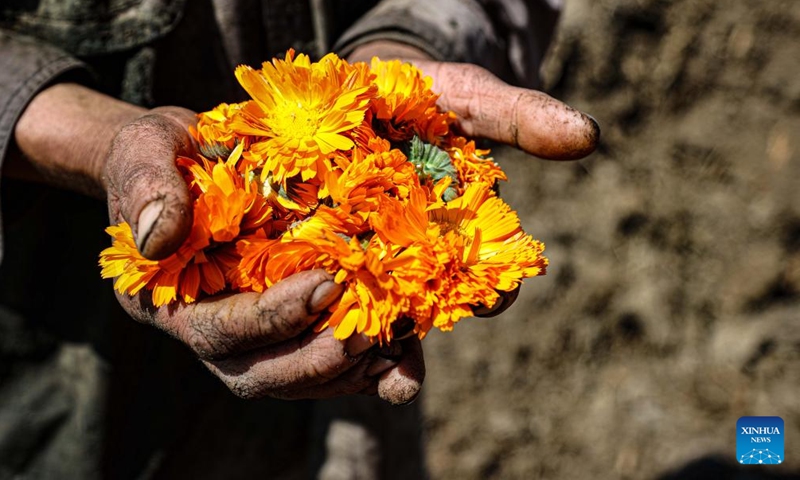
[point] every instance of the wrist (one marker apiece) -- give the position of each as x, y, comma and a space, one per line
64, 134
387, 50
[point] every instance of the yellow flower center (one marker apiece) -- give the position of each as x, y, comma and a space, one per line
294, 121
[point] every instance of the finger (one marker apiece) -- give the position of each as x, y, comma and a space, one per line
145, 187
222, 326
356, 380
501, 305
530, 120
295, 368
401, 385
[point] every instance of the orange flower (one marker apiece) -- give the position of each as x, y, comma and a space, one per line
228, 202
477, 242
226, 206
380, 282
213, 130
182, 275
299, 248
405, 103
305, 176
250, 274
471, 164
492, 252
303, 110
358, 188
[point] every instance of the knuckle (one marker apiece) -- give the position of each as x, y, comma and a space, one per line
477, 72
208, 338
246, 389
325, 361
272, 324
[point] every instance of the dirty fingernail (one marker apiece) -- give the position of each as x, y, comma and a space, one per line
357, 344
398, 390
325, 294
147, 220
595, 127
380, 365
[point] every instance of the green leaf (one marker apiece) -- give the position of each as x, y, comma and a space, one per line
432, 163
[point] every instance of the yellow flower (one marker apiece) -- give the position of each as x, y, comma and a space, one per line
358, 188
478, 244
124, 262
213, 130
380, 280
303, 111
226, 206
493, 253
405, 102
267, 259
472, 164
182, 275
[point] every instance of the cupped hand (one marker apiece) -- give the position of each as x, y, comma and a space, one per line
257, 344
488, 107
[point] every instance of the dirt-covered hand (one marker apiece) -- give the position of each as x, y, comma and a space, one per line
143, 185
257, 344
487, 107
265, 345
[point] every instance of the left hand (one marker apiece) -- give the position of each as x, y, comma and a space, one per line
487, 107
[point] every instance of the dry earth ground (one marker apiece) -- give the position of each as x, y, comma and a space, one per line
672, 304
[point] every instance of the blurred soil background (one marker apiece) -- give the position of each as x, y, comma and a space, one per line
672, 304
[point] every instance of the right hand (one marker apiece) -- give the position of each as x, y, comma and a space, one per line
257, 344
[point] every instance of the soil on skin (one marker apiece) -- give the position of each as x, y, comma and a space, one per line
672, 304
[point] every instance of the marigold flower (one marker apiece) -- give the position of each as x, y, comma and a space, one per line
405, 101
357, 189
380, 280
471, 164
347, 168
226, 206
303, 111
213, 130
182, 275
477, 239
300, 249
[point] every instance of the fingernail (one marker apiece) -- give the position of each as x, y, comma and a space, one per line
357, 344
412, 399
325, 294
380, 365
596, 125
147, 219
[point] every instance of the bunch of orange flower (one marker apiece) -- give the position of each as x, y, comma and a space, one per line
349, 168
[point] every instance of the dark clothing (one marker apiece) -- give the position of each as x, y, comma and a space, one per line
87, 393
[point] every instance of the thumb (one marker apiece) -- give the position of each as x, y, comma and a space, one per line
527, 119
145, 187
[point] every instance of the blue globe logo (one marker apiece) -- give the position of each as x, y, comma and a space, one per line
760, 456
